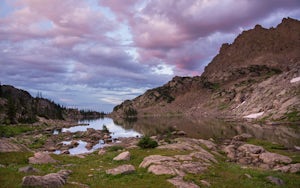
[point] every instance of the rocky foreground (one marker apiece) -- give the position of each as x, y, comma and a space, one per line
180, 158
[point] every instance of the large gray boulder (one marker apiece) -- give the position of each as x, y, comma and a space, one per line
123, 169
161, 170
155, 159
41, 158
52, 180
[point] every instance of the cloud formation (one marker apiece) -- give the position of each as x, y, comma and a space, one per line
96, 53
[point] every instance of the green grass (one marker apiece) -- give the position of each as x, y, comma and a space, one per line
92, 164
222, 174
227, 175
13, 130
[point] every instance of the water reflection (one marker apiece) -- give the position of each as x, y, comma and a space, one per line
217, 129
97, 124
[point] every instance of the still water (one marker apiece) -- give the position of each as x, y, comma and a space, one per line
204, 128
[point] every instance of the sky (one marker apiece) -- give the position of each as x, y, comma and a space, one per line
94, 54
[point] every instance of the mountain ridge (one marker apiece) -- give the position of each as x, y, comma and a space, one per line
246, 77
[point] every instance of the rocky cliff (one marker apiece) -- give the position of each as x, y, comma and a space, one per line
255, 76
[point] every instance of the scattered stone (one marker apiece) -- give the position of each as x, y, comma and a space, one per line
183, 157
7, 146
155, 159
101, 152
66, 152
41, 158
297, 148
51, 149
161, 170
78, 184
180, 183
123, 169
292, 168
74, 143
249, 148
89, 146
2, 166
274, 158
248, 176
28, 169
205, 183
90, 175
209, 144
275, 180
50, 180
193, 167
242, 137
124, 156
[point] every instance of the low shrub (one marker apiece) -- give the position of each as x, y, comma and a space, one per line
147, 142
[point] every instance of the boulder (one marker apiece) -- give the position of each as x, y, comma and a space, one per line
209, 144
292, 168
28, 169
242, 137
251, 149
101, 152
275, 180
155, 159
274, 158
123, 169
161, 170
52, 180
124, 156
180, 183
41, 158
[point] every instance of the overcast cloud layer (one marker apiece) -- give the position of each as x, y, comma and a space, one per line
93, 54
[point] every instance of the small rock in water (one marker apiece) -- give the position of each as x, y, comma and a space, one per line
275, 180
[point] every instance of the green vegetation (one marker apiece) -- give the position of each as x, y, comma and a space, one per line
93, 164
293, 116
227, 175
223, 106
13, 130
130, 112
147, 142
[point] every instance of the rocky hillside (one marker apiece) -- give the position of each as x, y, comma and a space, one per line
18, 106
255, 76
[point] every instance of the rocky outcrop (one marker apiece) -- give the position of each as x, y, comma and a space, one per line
253, 155
52, 180
196, 162
41, 158
6, 145
123, 169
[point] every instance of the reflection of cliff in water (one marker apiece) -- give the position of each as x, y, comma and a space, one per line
217, 129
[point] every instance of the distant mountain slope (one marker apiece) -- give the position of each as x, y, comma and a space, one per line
252, 75
18, 106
